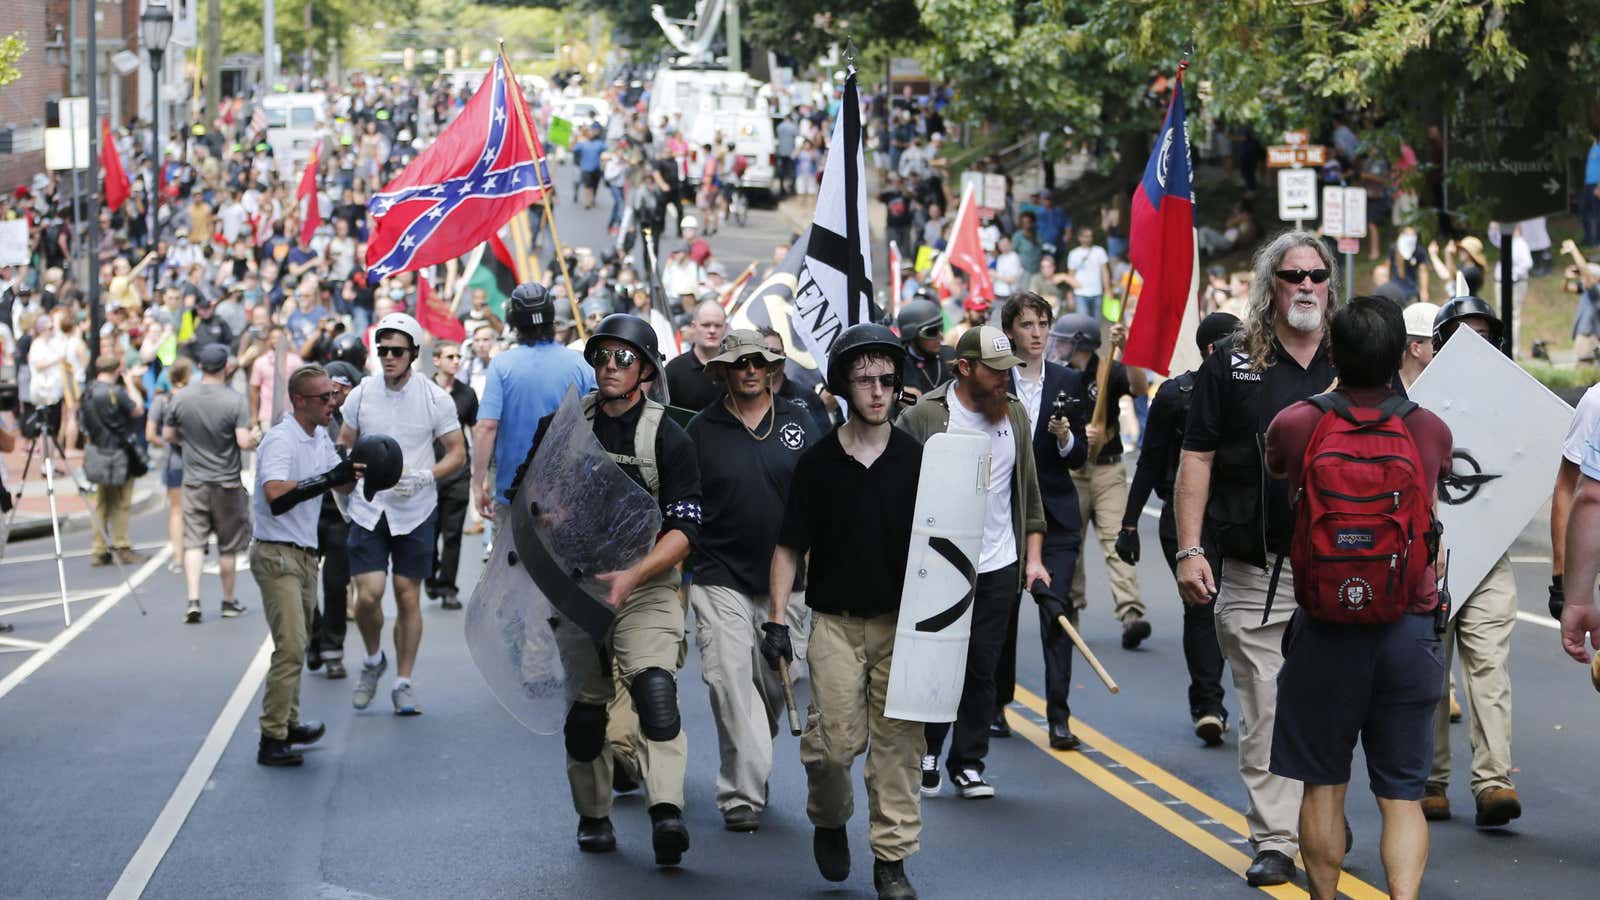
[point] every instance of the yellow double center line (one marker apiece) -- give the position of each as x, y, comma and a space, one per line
1158, 811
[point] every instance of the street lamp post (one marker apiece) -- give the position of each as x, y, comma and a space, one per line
155, 29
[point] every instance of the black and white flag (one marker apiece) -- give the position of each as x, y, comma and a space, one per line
835, 288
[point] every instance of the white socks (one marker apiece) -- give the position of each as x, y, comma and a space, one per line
375, 658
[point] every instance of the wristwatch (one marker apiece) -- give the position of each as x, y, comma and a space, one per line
1187, 552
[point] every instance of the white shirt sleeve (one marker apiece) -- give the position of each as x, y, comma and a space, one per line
352, 407
273, 458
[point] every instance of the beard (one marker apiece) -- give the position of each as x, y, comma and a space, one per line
1304, 319
993, 407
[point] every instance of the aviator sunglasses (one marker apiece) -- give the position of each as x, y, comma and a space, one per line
600, 356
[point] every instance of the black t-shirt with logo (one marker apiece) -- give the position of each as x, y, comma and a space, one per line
744, 484
1117, 387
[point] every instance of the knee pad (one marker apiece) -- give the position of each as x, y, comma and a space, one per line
585, 731
655, 695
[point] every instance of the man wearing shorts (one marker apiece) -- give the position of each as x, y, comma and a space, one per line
212, 423
397, 524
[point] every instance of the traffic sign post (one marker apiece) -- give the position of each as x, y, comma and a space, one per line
1297, 195
1344, 216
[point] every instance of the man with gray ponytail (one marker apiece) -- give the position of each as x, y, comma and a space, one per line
1234, 523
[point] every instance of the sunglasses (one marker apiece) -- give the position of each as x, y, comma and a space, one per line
865, 382
325, 396
392, 351
449, 356
624, 357
753, 361
1298, 276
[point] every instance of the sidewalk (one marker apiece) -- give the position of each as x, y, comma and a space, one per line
33, 512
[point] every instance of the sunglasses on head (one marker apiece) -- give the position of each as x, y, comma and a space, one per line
1298, 276
599, 356
390, 350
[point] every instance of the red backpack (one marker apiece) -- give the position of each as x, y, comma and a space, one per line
1364, 525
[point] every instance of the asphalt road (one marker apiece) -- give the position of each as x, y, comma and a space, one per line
109, 732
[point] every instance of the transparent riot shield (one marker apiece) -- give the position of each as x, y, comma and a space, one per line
575, 515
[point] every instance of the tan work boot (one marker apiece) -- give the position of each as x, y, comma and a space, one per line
1455, 708
1497, 807
1435, 803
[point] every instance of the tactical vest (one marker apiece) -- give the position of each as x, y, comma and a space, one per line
644, 441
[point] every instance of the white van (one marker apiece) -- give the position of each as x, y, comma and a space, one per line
295, 122
707, 103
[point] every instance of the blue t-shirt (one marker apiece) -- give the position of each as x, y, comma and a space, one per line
588, 154
522, 386
1591, 166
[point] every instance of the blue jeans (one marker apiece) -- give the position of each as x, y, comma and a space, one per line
1089, 304
616, 205
1589, 212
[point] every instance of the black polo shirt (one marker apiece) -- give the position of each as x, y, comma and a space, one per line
1229, 415
688, 384
856, 521
745, 485
1117, 387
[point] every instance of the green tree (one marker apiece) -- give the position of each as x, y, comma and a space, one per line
12, 46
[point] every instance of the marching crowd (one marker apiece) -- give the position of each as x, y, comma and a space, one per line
242, 355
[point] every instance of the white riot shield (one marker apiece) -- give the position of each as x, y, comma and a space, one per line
1507, 430
575, 515
930, 642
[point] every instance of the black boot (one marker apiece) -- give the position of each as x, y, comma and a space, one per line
831, 846
1268, 868
596, 835
308, 732
274, 752
1134, 631
668, 834
891, 881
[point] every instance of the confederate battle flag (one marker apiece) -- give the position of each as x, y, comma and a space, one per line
483, 169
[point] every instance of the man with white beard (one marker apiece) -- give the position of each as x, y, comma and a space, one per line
1234, 524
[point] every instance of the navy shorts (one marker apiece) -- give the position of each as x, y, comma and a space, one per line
1378, 683
371, 551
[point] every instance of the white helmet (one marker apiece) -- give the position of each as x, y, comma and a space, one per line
690, 222
402, 323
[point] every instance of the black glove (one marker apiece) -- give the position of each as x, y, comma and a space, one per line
1558, 597
1128, 546
775, 644
342, 474
1052, 607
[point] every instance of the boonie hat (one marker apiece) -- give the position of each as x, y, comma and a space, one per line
988, 345
742, 342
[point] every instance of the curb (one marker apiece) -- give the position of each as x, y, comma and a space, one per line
147, 495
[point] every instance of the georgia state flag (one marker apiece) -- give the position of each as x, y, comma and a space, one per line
1161, 246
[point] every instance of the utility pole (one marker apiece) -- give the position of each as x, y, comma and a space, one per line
91, 243
213, 61
731, 16
269, 44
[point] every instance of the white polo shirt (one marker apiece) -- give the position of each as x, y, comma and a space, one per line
413, 415
287, 453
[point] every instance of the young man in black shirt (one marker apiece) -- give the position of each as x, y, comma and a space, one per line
455, 491
1234, 524
748, 445
1158, 470
1102, 482
850, 505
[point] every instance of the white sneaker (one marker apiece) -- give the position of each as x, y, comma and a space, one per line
932, 780
971, 786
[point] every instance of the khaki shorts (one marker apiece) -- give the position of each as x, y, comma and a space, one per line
220, 509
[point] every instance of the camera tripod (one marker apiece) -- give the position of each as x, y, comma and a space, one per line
52, 453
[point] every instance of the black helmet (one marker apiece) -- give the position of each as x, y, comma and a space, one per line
1458, 308
633, 331
383, 459
348, 348
530, 307
1071, 333
917, 315
344, 373
856, 340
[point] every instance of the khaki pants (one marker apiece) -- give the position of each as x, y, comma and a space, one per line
849, 662
646, 634
746, 694
287, 577
1255, 654
1102, 499
1482, 629
111, 505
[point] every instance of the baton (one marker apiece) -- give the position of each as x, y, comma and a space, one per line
1077, 641
788, 697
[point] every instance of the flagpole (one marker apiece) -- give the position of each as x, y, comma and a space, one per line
521, 112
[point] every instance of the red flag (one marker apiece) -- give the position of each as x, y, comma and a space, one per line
434, 314
111, 166
965, 251
485, 168
1161, 246
311, 217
